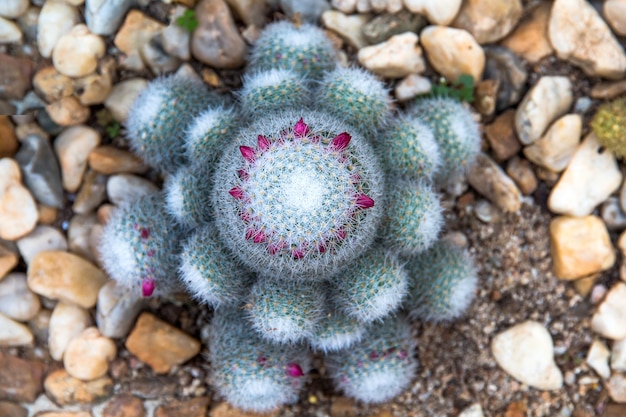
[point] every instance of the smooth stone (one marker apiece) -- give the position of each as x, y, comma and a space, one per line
488, 20
9, 32
124, 188
20, 379
64, 389
159, 344
530, 37
412, 86
502, 65
9, 409
8, 138
41, 171
550, 98
28, 23
580, 246
8, 260
453, 52
17, 301
616, 386
13, 8
195, 407
92, 193
396, 58
521, 171
502, 137
47, 124
109, 160
175, 39
77, 52
65, 414
13, 333
555, 149
610, 319
598, 358
384, 26
136, 31
309, 11
590, 178
66, 277
122, 97
486, 176
79, 233
88, 355
15, 79
50, 84
40, 324
66, 322
124, 405
117, 310
154, 387
93, 88
156, 58
608, 90
440, 12
55, 20
68, 111
344, 6
474, 410
104, 17
526, 352
349, 28
618, 355
363, 6
580, 35
42, 238
216, 41
72, 148
612, 214
615, 14
18, 211
251, 12
28, 129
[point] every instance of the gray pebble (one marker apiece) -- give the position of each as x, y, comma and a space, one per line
503, 65
386, 25
105, 16
310, 11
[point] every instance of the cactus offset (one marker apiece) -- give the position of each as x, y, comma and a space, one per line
609, 126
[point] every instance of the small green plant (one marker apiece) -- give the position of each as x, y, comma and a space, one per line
113, 129
461, 89
188, 20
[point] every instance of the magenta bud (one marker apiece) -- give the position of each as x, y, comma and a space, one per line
300, 129
248, 153
264, 143
341, 141
294, 370
147, 287
363, 201
236, 192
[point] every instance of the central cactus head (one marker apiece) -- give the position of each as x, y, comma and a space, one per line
301, 199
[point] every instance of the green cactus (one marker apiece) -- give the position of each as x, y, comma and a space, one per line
187, 194
273, 91
209, 133
609, 126
336, 331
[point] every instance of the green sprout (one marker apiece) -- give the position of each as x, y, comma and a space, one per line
188, 20
113, 129
461, 90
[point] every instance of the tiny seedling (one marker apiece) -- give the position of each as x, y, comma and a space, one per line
188, 20
461, 90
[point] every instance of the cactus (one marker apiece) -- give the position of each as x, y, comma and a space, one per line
442, 282
273, 90
609, 126
209, 133
249, 372
336, 331
187, 194
380, 366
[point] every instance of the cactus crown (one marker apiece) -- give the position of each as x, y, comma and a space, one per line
609, 126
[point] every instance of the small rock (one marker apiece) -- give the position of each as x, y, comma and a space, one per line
15, 77
598, 358
251, 12
43, 238
55, 20
525, 351
46, 214
580, 246
92, 193
488, 21
555, 149
68, 111
453, 52
64, 389
618, 355
13, 333
486, 212
87, 355
41, 171
412, 86
9, 409
73, 147
79, 233
608, 90
136, 31
363, 6
440, 12
583, 286
224, 409
501, 136
28, 129
8, 260
504, 66
615, 13
610, 319
196, 407
579, 35
117, 310
29, 22
77, 52
94, 88
550, 98
17, 301
490, 180
474, 410
485, 93
122, 96
349, 28
395, 58
344, 6
66, 277
154, 387
9, 32
66, 322
612, 214
20, 379
175, 39
384, 26
124, 187
616, 386
522, 173
39, 325
103, 17
8, 138
65, 414
160, 345
216, 41
18, 211
124, 405
591, 176
310, 11
154, 55
110, 160
13, 8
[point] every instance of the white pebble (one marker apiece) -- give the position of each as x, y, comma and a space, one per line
122, 97
618, 355
598, 358
88, 355
77, 52
17, 301
438, 12
66, 322
124, 188
13, 333
610, 319
13, 8
395, 58
55, 20
9, 32
41, 239
72, 147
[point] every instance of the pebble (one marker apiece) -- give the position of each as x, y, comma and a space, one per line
550, 98
610, 319
502, 137
104, 17
9, 409
27, 129
73, 147
9, 32
453, 52
125, 187
509, 70
441, 12
310, 11
77, 52
344, 6
13, 8
18, 211
28, 22
251, 12
117, 310
8, 138
555, 148
93, 88
216, 41
68, 111
521, 171
110, 160
175, 39
65, 414
8, 260
349, 28
474, 410
155, 56
526, 352
79, 233
386, 25
55, 20
46, 214
17, 301
530, 37
87, 355
159, 344
598, 358
64, 389
412, 86
13, 333
486, 212
608, 90
20, 379
41, 170
590, 178
66, 322
195, 407
612, 214
137, 30
614, 12
491, 181
42, 238
396, 58
224, 409
154, 387
616, 386
124, 405
580, 35
66, 277
485, 93
488, 20
15, 78
92, 193
618, 355
122, 97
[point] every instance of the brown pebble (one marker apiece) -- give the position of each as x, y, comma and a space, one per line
583, 286
15, 76
190, 408
47, 215
110, 160
8, 409
125, 405
516, 409
8, 138
502, 137
64, 414
52, 85
153, 387
521, 171
8, 260
20, 380
64, 389
342, 407
68, 112
226, 410
608, 90
486, 94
